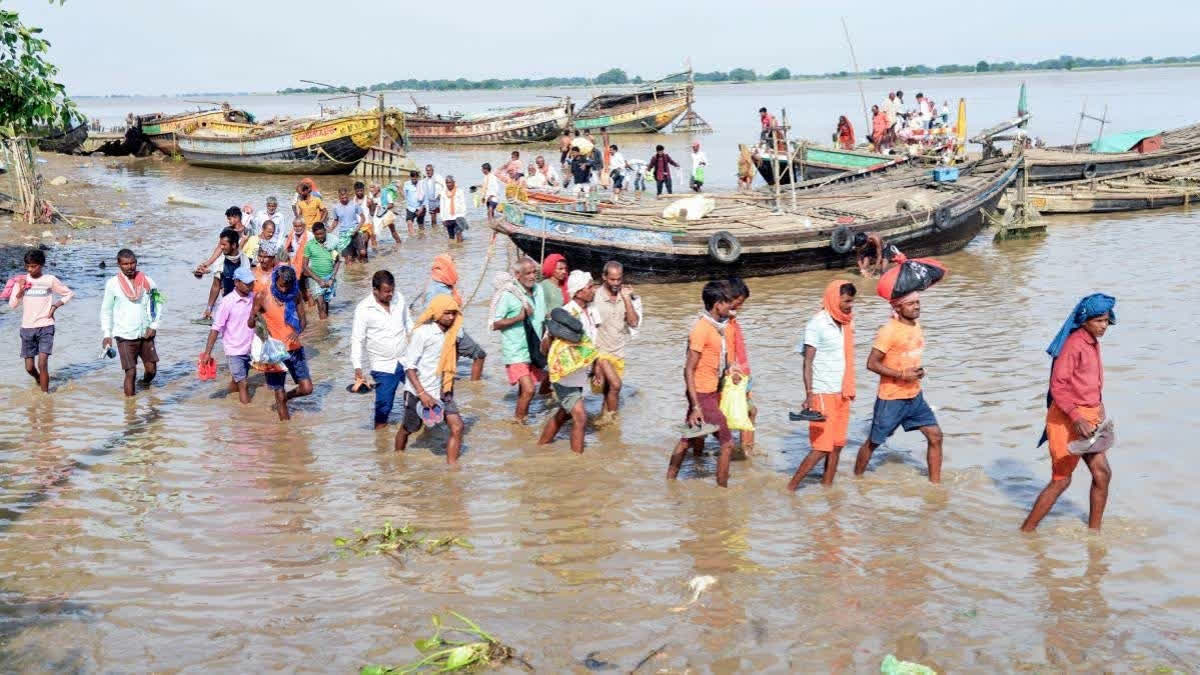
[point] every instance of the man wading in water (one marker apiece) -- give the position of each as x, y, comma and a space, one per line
130, 312
620, 312
1076, 406
284, 323
519, 315
896, 358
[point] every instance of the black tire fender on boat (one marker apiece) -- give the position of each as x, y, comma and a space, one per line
724, 247
1089, 170
941, 218
842, 240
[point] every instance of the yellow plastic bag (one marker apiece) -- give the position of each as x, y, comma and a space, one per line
735, 406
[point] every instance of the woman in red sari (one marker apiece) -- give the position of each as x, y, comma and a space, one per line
845, 134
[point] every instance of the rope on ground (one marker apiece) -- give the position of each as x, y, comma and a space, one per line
482, 273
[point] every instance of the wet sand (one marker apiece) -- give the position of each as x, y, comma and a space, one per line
181, 531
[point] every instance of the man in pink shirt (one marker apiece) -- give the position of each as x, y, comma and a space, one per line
232, 323
513, 170
36, 291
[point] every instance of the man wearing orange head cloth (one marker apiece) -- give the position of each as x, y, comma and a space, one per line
828, 380
444, 281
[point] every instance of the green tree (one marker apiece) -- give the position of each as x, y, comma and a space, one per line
981, 67
780, 74
612, 76
29, 95
743, 74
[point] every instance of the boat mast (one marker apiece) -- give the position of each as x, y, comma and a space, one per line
857, 75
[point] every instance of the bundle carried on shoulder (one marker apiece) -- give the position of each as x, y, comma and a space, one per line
909, 276
571, 349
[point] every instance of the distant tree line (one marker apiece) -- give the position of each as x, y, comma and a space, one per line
616, 76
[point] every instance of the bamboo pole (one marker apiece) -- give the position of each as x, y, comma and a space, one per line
857, 75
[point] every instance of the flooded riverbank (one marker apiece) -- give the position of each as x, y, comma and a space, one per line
181, 531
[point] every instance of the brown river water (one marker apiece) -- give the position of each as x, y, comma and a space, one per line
179, 531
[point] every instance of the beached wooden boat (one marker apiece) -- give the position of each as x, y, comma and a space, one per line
745, 235
331, 145
516, 125
67, 142
161, 130
646, 109
1172, 184
822, 162
1073, 162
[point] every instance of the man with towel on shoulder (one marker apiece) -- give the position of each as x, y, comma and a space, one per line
431, 360
1076, 406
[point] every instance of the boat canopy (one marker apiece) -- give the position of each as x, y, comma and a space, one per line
1122, 142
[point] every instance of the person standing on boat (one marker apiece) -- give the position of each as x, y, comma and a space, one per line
890, 108
512, 171
617, 165
620, 313
581, 173
431, 191
844, 134
519, 316
896, 358
699, 162
660, 163
769, 125
879, 129
564, 149
1076, 406
454, 201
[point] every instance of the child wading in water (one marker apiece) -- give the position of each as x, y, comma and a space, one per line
1076, 406
709, 346
36, 291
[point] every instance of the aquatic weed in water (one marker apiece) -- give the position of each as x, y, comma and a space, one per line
443, 654
392, 540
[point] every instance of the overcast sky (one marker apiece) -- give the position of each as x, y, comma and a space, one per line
170, 46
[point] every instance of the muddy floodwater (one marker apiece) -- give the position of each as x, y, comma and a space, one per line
180, 531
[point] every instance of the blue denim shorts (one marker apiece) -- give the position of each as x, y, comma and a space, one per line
911, 413
297, 366
239, 366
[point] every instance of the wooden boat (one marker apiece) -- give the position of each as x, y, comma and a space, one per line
161, 130
1072, 162
331, 145
67, 142
516, 125
745, 235
1172, 184
646, 109
821, 162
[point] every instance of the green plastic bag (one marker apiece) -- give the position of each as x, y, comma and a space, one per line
894, 666
698, 173
735, 406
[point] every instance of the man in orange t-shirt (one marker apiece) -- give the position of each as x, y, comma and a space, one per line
708, 353
896, 357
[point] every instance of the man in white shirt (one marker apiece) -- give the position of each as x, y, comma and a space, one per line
553, 179
568, 390
453, 200
699, 162
431, 357
431, 186
828, 380
617, 164
273, 214
130, 313
381, 327
491, 191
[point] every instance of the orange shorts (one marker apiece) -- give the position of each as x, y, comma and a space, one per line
1059, 432
830, 434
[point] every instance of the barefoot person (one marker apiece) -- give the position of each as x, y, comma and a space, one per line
1076, 406
431, 360
828, 379
708, 350
284, 323
896, 358
380, 330
443, 280
231, 260
572, 353
520, 312
232, 323
320, 269
35, 293
739, 366
620, 312
130, 312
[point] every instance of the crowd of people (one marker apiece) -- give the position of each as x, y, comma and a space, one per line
561, 332
896, 126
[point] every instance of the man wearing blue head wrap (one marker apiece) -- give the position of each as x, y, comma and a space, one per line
1076, 406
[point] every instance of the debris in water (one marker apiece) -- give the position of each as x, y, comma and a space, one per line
445, 655
894, 666
392, 540
183, 201
58, 180
698, 585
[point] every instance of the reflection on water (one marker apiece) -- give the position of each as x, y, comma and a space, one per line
179, 530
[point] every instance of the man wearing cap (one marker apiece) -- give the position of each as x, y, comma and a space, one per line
896, 358
232, 322
572, 351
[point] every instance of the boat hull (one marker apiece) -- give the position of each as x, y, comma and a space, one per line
642, 120
68, 142
1060, 170
652, 256
823, 163
533, 126
327, 147
1111, 203
162, 132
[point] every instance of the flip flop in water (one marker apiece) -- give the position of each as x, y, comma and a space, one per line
360, 387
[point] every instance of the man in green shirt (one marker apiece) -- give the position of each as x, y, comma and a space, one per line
522, 304
320, 269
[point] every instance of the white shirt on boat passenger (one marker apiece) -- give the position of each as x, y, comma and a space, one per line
536, 181
553, 179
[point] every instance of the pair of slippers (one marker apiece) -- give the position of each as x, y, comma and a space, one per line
360, 387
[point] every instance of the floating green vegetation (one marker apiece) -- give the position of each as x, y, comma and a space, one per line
442, 654
395, 540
